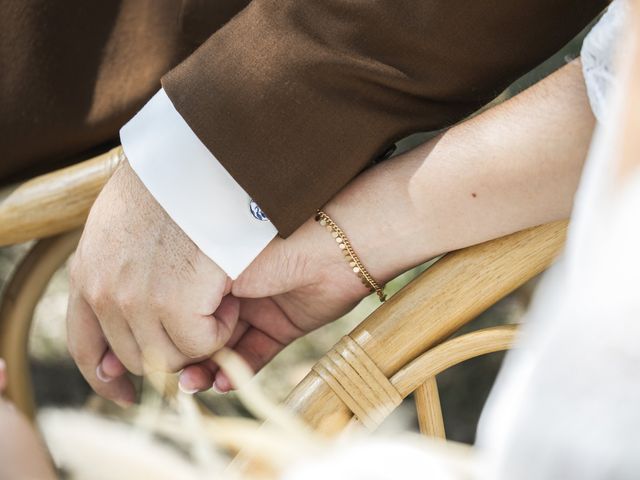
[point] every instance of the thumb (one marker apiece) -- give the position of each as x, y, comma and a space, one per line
278, 269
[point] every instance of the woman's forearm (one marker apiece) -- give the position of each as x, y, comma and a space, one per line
509, 168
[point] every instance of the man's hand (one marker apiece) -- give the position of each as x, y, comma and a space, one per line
141, 293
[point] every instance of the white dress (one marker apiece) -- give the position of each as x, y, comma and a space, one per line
567, 402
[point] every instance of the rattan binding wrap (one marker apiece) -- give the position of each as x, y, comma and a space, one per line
358, 382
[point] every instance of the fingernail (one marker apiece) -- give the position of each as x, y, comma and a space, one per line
103, 377
215, 388
188, 391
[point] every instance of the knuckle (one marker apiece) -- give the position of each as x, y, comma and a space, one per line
158, 302
98, 297
128, 302
196, 346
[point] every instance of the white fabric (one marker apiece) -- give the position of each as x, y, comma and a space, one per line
599, 51
566, 404
393, 458
193, 187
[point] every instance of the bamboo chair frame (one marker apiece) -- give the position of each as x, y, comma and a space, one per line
422, 315
397, 350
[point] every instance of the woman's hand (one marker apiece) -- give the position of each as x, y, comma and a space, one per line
293, 287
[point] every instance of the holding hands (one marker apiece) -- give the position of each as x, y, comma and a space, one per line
144, 296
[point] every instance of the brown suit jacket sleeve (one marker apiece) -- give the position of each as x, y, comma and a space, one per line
296, 97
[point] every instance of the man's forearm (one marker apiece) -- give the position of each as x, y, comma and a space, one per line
296, 98
512, 167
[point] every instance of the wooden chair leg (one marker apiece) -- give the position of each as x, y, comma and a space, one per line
429, 409
450, 353
437, 360
19, 301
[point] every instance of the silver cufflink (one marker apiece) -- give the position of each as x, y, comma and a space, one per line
257, 212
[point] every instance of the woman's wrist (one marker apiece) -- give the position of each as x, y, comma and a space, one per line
376, 214
484, 178
349, 254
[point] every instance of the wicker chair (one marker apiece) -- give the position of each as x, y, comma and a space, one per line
397, 350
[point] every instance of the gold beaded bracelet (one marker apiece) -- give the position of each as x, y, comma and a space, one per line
350, 255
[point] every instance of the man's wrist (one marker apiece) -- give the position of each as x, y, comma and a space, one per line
191, 185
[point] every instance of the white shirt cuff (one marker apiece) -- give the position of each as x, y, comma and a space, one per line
193, 187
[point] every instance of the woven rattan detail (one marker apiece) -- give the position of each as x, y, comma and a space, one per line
358, 382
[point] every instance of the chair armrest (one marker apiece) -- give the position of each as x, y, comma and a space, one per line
425, 312
55, 202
